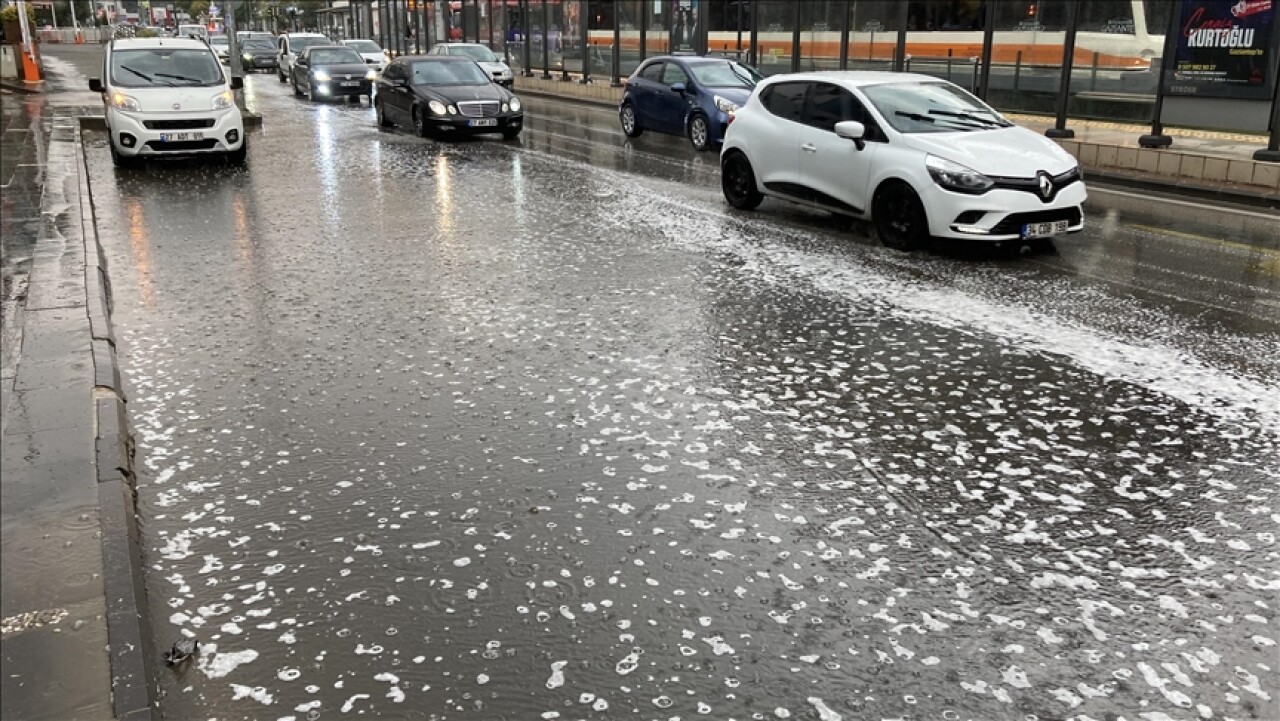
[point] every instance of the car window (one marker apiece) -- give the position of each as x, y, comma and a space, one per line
652, 72
364, 46
477, 52
333, 56
673, 74
257, 44
449, 73
300, 44
830, 104
786, 100
932, 108
165, 67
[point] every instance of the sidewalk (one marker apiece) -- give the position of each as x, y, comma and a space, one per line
72, 645
1203, 164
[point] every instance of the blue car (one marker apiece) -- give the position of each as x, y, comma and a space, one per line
686, 95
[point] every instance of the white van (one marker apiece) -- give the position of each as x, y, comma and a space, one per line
289, 46
166, 97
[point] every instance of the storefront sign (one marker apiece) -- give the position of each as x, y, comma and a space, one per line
1225, 49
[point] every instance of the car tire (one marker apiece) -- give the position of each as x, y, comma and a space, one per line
380, 114
700, 132
630, 121
511, 134
738, 181
296, 90
899, 217
420, 123
120, 160
280, 74
237, 157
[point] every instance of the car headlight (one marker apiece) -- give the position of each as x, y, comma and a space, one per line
725, 105
321, 75
437, 107
223, 100
515, 105
248, 57
120, 101
957, 177
371, 75
453, 110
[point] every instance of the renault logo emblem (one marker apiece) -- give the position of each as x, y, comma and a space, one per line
1045, 183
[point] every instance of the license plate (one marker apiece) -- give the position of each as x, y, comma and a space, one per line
483, 123
1044, 230
174, 137
350, 83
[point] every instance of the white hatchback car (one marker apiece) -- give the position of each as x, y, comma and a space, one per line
168, 96
484, 57
918, 156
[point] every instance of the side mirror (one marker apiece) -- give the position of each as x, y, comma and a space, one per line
237, 82
852, 130
95, 84
371, 61
302, 62
678, 88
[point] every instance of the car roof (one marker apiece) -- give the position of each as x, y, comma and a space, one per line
306, 35
148, 43
440, 58
457, 45
694, 59
857, 78
333, 46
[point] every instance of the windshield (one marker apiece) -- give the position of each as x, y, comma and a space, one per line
258, 44
171, 67
297, 45
220, 40
475, 52
335, 56
724, 75
932, 108
364, 46
448, 73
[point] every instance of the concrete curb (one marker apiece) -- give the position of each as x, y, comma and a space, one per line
131, 642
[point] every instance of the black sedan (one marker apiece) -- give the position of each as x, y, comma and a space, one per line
444, 96
332, 71
258, 54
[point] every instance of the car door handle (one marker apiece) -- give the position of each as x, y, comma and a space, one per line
809, 148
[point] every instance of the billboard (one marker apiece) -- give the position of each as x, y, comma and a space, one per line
1224, 49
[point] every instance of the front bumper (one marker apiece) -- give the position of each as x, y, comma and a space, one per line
1000, 214
461, 125
178, 133
261, 62
338, 87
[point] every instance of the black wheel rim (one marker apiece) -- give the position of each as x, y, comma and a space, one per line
739, 179
899, 217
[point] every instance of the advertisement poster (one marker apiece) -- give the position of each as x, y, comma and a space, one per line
1224, 49
684, 26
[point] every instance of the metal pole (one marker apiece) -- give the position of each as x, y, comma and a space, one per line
1272, 152
702, 39
988, 39
900, 52
564, 33
233, 45
616, 61
739, 26
524, 27
844, 35
795, 38
1157, 138
546, 46
753, 52
1060, 129
644, 25
584, 16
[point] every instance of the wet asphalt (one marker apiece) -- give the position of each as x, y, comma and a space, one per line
543, 429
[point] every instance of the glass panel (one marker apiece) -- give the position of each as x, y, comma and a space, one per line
629, 35
1026, 55
1112, 77
776, 22
600, 35
873, 34
729, 28
658, 26
820, 22
944, 39
538, 35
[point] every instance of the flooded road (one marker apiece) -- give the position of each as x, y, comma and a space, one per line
543, 430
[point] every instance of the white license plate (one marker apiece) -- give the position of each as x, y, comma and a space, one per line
483, 123
1044, 230
351, 83
173, 137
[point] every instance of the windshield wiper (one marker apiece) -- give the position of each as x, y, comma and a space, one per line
142, 75
183, 78
750, 81
915, 116
969, 116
